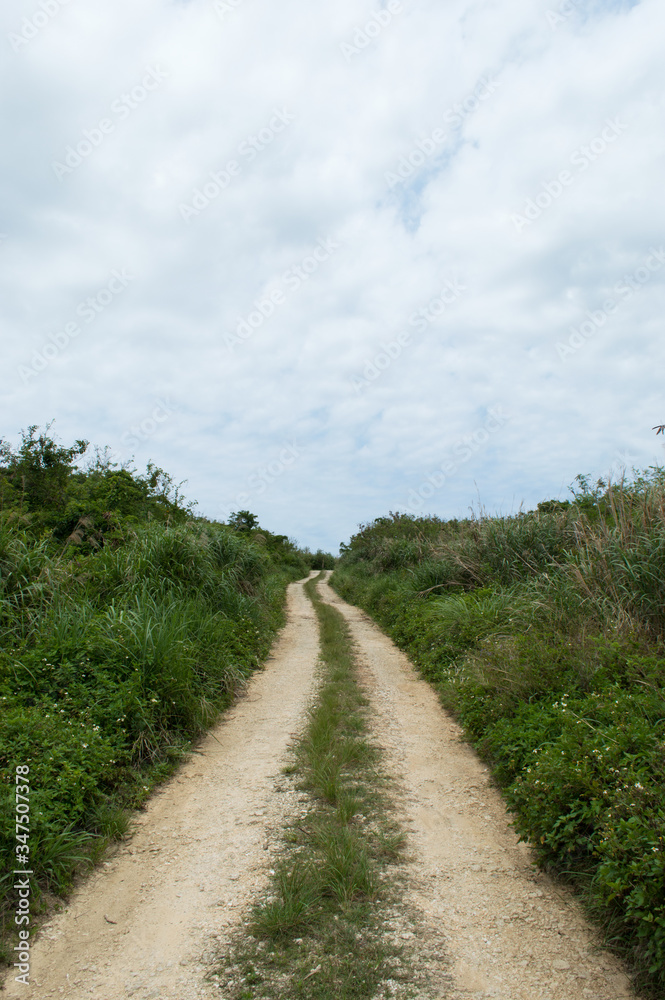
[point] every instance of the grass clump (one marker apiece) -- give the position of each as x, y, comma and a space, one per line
544, 633
320, 932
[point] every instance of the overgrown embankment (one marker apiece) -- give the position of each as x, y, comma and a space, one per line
126, 626
544, 634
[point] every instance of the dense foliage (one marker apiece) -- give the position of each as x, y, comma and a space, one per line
126, 624
545, 635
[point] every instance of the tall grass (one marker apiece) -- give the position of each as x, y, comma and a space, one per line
126, 626
544, 633
112, 661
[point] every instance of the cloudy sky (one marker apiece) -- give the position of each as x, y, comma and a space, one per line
324, 261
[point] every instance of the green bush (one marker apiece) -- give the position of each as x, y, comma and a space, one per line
127, 626
545, 635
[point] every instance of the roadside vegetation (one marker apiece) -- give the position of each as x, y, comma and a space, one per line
321, 932
126, 626
544, 633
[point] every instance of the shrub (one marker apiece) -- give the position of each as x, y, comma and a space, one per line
545, 635
127, 626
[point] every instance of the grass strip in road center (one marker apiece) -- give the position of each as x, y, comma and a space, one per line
323, 931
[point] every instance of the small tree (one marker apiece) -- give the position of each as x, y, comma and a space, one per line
41, 470
244, 520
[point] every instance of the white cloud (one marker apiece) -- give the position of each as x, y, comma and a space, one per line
323, 176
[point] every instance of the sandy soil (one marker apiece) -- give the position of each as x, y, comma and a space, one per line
506, 931
146, 924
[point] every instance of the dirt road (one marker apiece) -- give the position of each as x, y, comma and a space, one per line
508, 932
141, 926
149, 922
